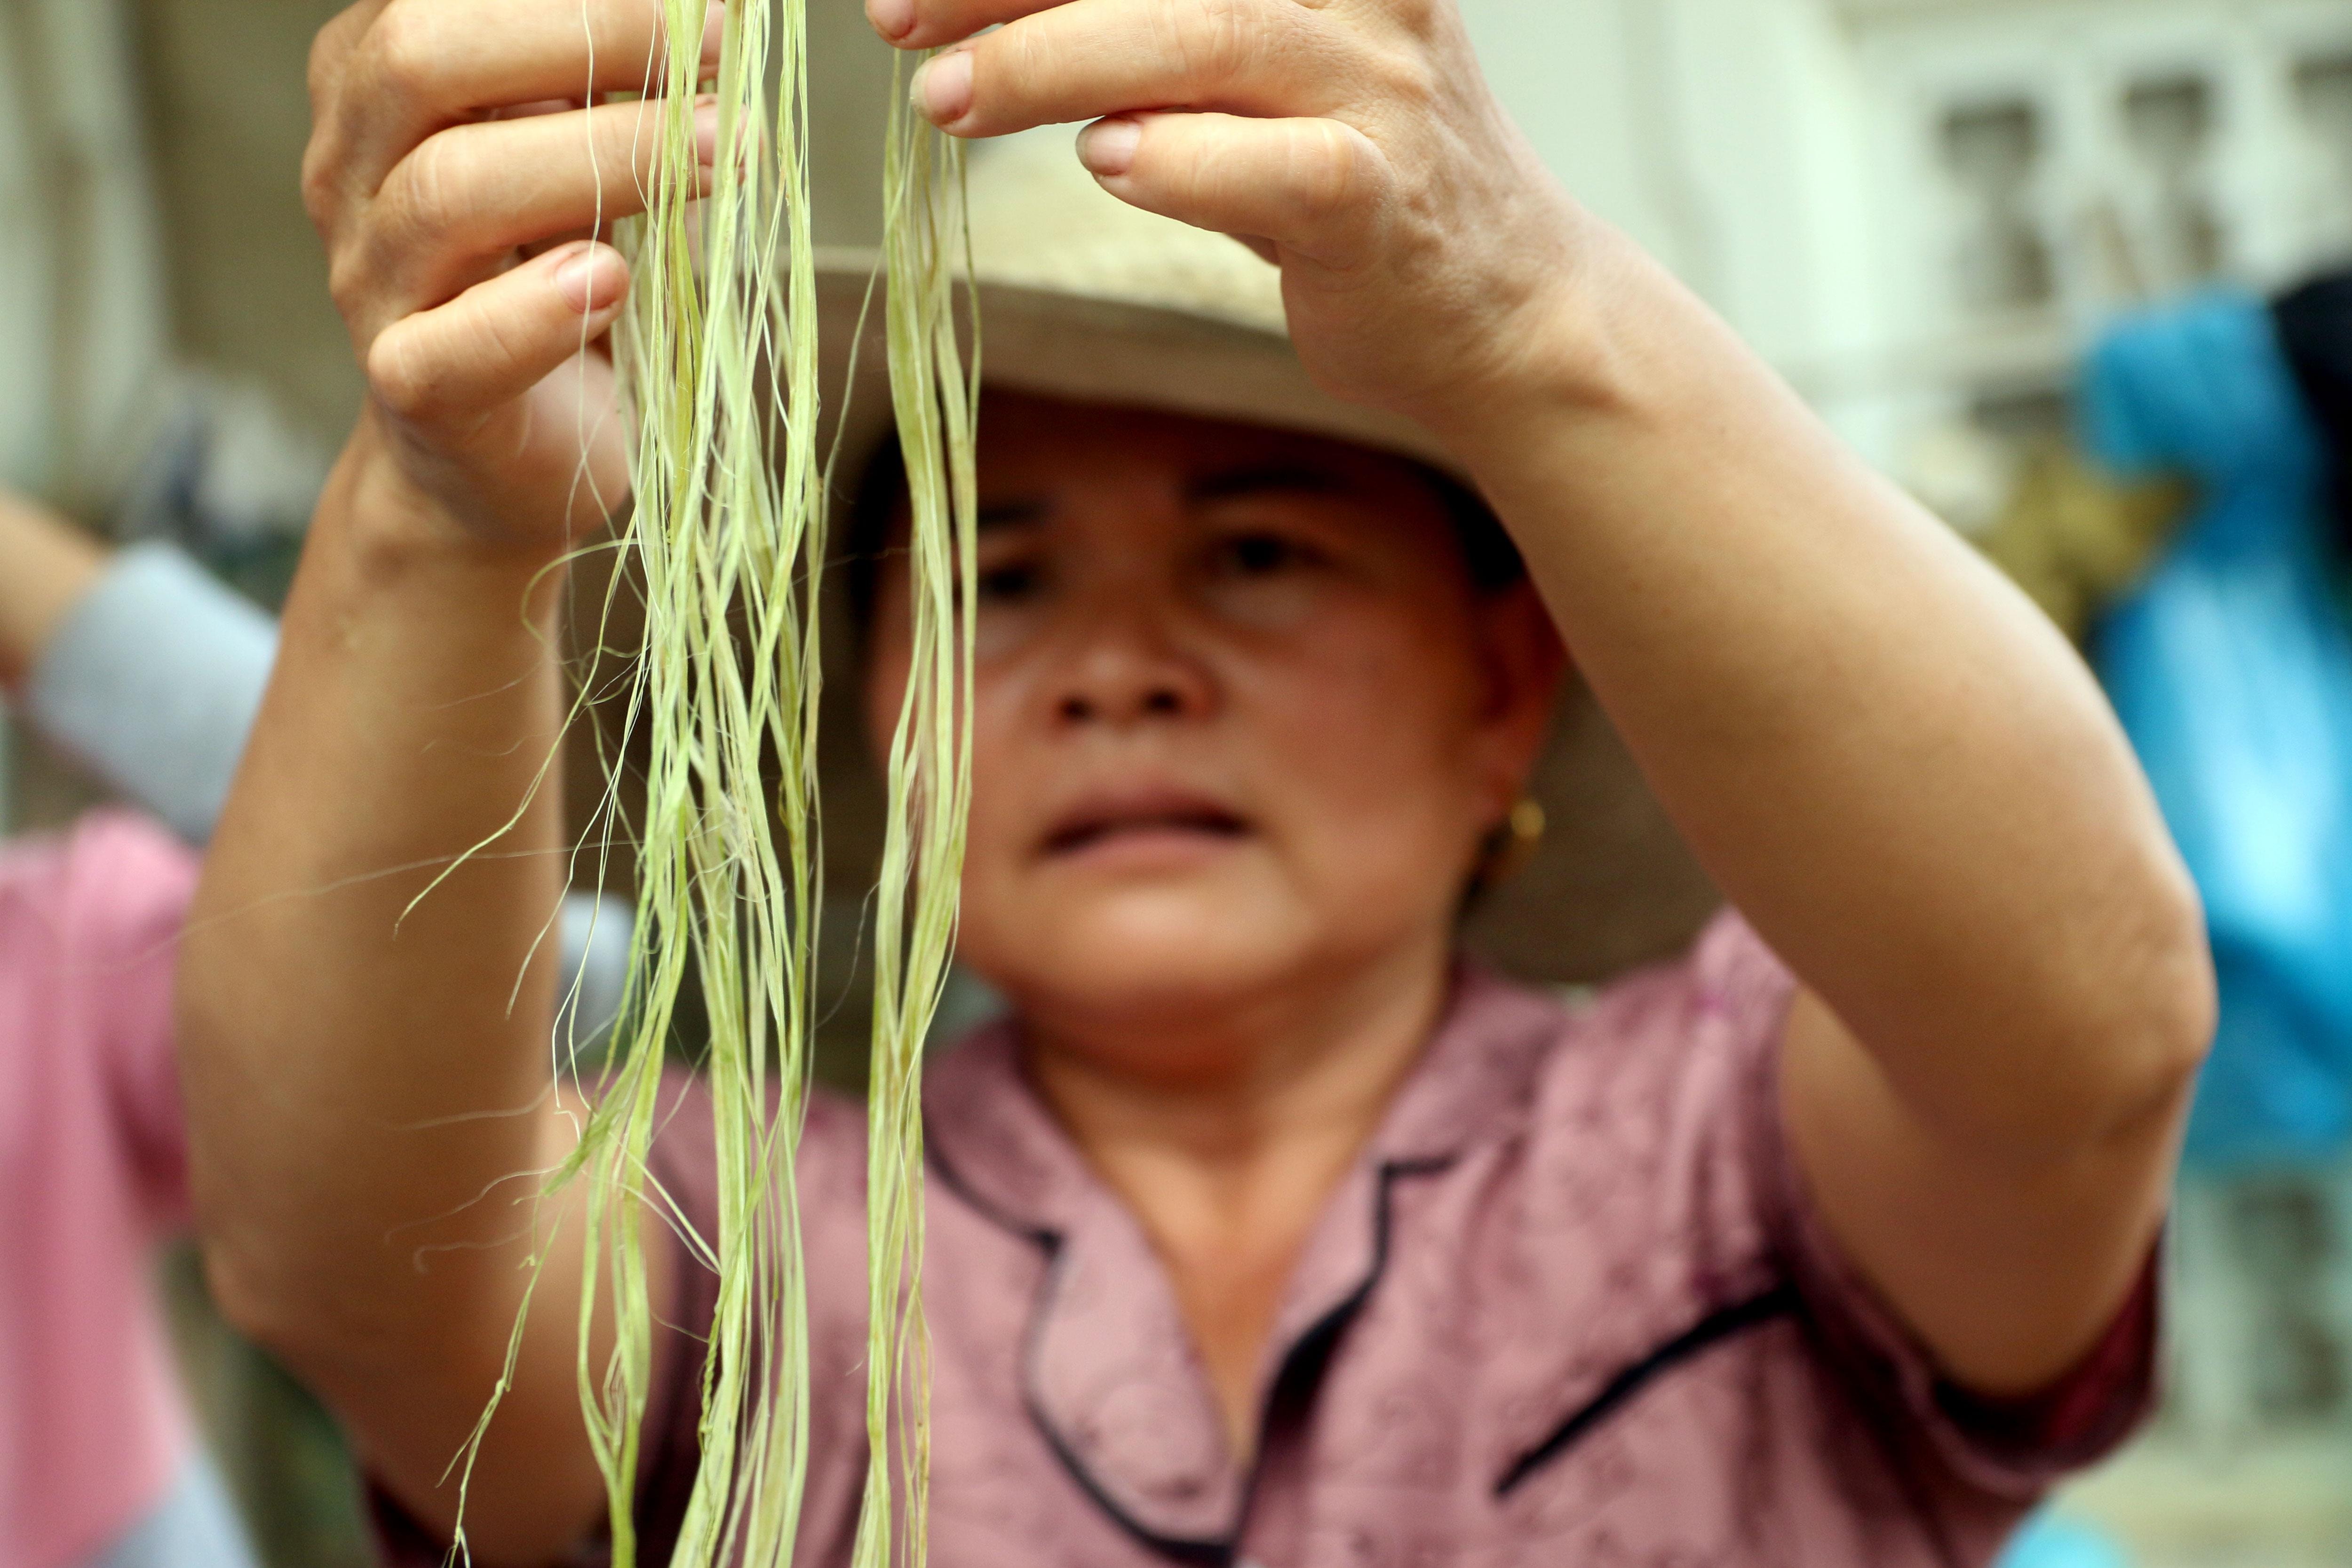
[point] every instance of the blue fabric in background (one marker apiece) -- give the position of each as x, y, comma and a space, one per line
2232, 668
2047, 1541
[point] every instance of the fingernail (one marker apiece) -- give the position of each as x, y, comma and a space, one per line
714, 32
1107, 146
942, 89
706, 131
592, 280
891, 18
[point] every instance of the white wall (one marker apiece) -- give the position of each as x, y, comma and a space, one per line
1795, 161
83, 331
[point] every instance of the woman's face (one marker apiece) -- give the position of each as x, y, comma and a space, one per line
1241, 723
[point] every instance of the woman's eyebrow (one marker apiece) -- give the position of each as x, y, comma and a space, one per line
1259, 478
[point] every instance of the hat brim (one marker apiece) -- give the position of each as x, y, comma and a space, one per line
1057, 343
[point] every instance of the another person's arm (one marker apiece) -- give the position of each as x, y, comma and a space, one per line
49, 567
136, 661
1895, 766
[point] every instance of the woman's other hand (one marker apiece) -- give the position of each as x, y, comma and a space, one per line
1423, 245
460, 187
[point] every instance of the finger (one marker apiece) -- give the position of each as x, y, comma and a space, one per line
447, 369
1313, 187
452, 210
424, 65
1089, 59
926, 24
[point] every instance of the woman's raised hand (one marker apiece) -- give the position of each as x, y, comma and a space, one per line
1423, 248
460, 186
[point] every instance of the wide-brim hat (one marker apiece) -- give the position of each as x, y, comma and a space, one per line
1083, 297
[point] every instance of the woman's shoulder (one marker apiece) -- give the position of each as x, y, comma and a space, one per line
1707, 1019
1726, 987
1648, 1103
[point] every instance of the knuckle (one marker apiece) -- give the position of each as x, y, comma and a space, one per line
346, 280
1330, 171
1408, 75
398, 376
403, 49
1217, 39
320, 184
422, 194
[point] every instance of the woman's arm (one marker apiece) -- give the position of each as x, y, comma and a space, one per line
1895, 767
370, 1111
361, 1215
1901, 773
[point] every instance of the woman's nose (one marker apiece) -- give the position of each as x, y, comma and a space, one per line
1129, 673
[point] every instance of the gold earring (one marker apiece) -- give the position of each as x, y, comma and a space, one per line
1514, 842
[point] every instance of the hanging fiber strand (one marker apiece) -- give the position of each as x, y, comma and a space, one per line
935, 399
717, 352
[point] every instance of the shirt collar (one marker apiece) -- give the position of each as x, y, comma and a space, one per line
1110, 1374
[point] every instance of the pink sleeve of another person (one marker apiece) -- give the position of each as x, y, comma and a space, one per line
93, 1173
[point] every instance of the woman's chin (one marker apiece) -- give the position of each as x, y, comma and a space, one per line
1147, 953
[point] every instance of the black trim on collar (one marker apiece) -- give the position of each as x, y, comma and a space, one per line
952, 1179
1309, 1356
1781, 1301
1292, 1390
1209, 1554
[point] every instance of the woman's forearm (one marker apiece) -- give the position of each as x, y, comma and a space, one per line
369, 1083
1892, 763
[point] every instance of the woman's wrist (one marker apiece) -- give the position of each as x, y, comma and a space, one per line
394, 529
1577, 349
1616, 380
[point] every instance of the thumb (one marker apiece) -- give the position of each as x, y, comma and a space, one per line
447, 369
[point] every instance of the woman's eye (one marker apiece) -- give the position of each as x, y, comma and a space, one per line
1261, 554
1009, 584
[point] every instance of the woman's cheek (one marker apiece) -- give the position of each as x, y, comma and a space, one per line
1383, 725
1287, 602
1001, 631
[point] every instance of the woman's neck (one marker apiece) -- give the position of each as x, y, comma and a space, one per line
1226, 1134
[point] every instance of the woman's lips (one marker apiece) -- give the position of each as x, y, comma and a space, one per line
1147, 823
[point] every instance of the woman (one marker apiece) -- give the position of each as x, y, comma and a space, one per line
1261, 1231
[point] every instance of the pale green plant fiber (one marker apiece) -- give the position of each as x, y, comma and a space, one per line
716, 349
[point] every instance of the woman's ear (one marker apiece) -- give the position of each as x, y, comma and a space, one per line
1525, 663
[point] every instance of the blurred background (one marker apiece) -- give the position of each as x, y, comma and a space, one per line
2011, 248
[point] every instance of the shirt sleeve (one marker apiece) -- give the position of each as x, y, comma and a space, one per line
153, 680
127, 889
2011, 1449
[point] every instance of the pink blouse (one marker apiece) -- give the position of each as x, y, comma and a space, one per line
1571, 1307
92, 1173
